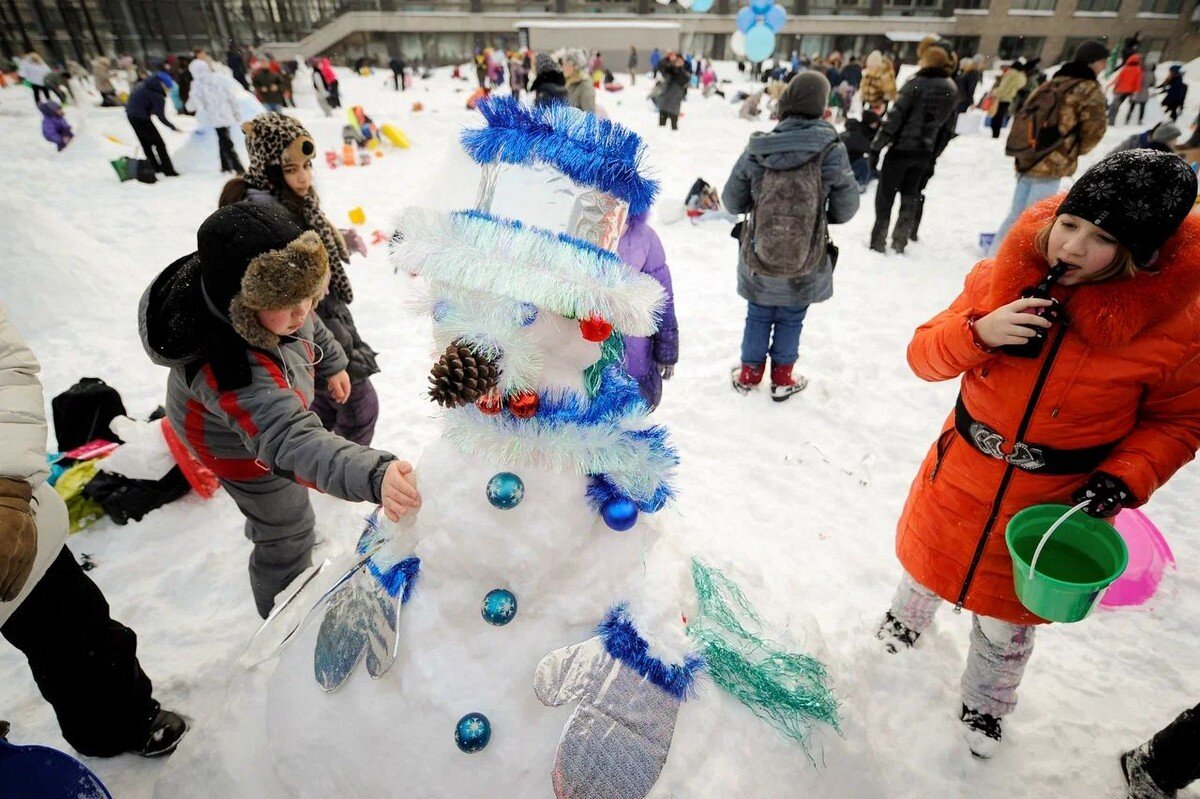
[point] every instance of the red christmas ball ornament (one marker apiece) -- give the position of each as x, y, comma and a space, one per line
490, 403
595, 328
523, 405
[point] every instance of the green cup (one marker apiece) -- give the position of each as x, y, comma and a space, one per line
1079, 561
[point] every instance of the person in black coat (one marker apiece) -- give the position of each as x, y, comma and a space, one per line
149, 100
967, 81
916, 130
397, 64
857, 137
550, 85
237, 64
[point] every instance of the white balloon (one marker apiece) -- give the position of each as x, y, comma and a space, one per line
737, 43
664, 2
685, 3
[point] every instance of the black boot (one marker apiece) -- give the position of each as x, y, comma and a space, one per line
166, 730
879, 235
904, 221
912, 234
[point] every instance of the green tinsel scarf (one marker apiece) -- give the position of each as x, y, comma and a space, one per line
611, 351
788, 691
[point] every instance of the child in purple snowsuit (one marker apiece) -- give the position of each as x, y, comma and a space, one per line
650, 360
55, 127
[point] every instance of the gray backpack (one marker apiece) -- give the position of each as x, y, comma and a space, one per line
785, 235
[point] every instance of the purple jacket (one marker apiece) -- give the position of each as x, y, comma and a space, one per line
641, 248
54, 127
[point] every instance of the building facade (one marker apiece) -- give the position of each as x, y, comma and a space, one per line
442, 31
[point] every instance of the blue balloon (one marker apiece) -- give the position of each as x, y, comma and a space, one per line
760, 43
700, 6
775, 18
745, 19
761, 6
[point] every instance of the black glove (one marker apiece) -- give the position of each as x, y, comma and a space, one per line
873, 161
1106, 494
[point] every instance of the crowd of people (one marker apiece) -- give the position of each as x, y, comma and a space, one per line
240, 321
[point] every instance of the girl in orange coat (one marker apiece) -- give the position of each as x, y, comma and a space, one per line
1107, 409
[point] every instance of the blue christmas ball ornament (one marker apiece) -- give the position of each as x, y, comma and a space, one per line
472, 732
760, 43
746, 19
505, 491
775, 18
499, 607
619, 514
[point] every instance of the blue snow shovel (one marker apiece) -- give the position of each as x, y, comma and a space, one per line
39, 772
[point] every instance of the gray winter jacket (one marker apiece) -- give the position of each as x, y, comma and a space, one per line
674, 90
264, 427
794, 142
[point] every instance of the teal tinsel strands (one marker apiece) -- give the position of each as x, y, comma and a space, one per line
789, 691
499, 607
612, 350
472, 732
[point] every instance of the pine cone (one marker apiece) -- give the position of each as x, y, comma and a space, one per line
461, 376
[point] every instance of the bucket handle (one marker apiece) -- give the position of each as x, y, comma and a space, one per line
1037, 552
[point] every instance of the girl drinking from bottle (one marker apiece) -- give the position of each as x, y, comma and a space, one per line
1079, 351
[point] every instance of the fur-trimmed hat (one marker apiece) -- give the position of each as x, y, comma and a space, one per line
935, 53
254, 257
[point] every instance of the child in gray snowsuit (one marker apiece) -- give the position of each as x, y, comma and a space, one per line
234, 323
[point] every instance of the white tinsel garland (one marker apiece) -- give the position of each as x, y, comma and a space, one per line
528, 264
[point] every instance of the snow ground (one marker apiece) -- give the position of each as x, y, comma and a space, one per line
797, 501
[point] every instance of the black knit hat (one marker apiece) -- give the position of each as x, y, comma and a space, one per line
1089, 51
1139, 197
253, 257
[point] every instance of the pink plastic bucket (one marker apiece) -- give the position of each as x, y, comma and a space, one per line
1149, 555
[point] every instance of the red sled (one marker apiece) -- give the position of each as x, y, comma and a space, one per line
196, 473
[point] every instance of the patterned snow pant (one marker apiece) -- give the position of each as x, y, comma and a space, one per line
280, 522
997, 657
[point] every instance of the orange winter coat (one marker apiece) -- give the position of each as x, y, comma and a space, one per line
1127, 370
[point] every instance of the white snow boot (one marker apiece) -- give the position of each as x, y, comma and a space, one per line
983, 732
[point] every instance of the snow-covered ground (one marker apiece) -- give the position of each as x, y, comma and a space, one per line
797, 501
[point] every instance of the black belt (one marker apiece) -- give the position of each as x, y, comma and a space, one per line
1037, 458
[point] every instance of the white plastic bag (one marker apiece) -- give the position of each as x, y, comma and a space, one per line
144, 455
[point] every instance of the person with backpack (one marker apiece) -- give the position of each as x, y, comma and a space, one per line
233, 321
1078, 349
1168, 762
84, 662
914, 132
1126, 84
791, 181
1062, 120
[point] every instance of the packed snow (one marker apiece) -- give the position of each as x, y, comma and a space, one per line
795, 501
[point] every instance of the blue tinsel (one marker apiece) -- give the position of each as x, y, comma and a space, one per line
591, 151
394, 575
622, 642
601, 490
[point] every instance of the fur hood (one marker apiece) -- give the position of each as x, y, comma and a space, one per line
1113, 312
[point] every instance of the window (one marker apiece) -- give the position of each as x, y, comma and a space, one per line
973, 5
1098, 5
838, 6
1034, 5
1162, 6
909, 8
965, 46
1012, 47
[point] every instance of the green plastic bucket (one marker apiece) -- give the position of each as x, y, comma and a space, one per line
1079, 561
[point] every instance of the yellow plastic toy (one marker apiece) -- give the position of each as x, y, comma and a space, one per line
395, 136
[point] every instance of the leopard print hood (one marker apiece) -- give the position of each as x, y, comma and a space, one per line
270, 138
